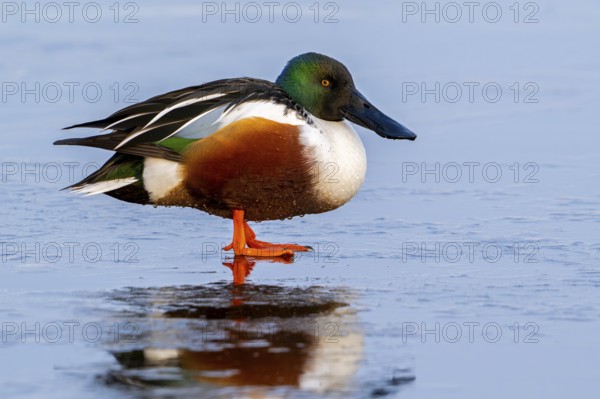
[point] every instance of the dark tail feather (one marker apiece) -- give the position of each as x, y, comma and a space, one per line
111, 140
120, 166
106, 141
100, 124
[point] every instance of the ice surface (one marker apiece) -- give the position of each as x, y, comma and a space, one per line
408, 252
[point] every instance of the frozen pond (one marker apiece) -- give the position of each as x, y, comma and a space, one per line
467, 266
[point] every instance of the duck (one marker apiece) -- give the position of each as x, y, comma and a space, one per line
245, 149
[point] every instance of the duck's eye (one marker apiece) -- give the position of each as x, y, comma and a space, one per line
325, 83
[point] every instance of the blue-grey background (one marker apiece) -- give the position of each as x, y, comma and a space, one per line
391, 252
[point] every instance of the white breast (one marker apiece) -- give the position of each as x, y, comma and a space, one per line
340, 162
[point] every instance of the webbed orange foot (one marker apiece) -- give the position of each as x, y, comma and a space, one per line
245, 242
252, 242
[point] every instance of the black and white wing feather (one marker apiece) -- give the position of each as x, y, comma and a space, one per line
138, 128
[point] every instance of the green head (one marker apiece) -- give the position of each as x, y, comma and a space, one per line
324, 87
318, 83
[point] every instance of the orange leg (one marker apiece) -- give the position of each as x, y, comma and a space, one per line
245, 242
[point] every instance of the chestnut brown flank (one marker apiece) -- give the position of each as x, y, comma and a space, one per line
253, 164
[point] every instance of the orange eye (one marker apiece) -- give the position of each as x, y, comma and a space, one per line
325, 83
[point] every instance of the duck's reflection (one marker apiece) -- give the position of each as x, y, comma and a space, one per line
241, 266
253, 339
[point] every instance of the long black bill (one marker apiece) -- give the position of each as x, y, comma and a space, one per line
363, 113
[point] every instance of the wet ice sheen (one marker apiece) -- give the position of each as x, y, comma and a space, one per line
155, 310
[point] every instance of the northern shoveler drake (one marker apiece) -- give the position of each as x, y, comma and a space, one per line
246, 149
